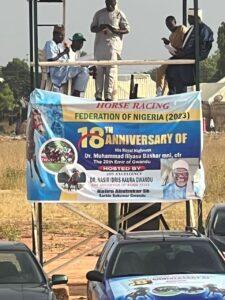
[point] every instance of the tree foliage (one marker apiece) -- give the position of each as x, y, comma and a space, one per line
6, 97
17, 75
221, 48
208, 68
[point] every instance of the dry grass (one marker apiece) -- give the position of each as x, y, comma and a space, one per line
12, 165
15, 213
214, 164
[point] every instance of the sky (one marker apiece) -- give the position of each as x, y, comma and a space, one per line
146, 18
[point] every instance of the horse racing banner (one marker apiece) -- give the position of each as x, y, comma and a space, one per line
128, 151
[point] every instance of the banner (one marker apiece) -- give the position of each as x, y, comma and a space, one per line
169, 287
127, 151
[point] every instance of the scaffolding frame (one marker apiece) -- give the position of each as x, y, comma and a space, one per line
113, 211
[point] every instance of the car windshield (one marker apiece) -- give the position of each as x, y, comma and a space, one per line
164, 258
18, 267
219, 223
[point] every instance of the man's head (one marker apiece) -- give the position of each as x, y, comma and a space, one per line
171, 23
180, 172
77, 41
191, 16
110, 5
58, 34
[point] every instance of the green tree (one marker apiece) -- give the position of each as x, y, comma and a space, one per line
208, 68
17, 75
6, 97
221, 47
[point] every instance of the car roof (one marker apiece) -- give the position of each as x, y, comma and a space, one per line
219, 206
142, 236
7, 245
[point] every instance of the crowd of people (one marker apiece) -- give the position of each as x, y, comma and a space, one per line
109, 25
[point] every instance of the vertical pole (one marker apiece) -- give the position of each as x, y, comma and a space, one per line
200, 216
185, 12
34, 246
131, 96
39, 205
35, 231
64, 15
40, 233
197, 54
114, 215
31, 36
188, 214
36, 44
31, 30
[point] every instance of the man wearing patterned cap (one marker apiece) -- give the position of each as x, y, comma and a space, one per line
56, 51
181, 76
177, 189
109, 24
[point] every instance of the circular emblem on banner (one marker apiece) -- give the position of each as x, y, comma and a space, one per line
56, 153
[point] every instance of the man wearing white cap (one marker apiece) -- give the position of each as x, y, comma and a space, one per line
56, 51
181, 76
177, 189
109, 24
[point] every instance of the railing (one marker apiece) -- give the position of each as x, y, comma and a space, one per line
117, 63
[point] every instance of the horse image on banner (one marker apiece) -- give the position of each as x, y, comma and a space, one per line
34, 123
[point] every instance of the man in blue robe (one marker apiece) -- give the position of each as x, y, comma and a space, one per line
181, 76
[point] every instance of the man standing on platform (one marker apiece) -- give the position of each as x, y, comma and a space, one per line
179, 77
173, 44
109, 24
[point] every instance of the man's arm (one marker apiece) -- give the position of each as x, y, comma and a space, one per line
52, 53
117, 31
124, 26
57, 57
95, 27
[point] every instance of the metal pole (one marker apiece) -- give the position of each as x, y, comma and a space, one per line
185, 12
162, 219
39, 206
31, 29
188, 214
114, 215
131, 96
36, 44
40, 233
33, 237
200, 216
64, 15
197, 54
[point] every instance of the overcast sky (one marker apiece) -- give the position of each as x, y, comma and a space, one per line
146, 18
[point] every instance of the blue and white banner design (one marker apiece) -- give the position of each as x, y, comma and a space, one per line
128, 151
168, 287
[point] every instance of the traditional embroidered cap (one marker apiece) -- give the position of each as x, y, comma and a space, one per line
180, 164
78, 37
191, 12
